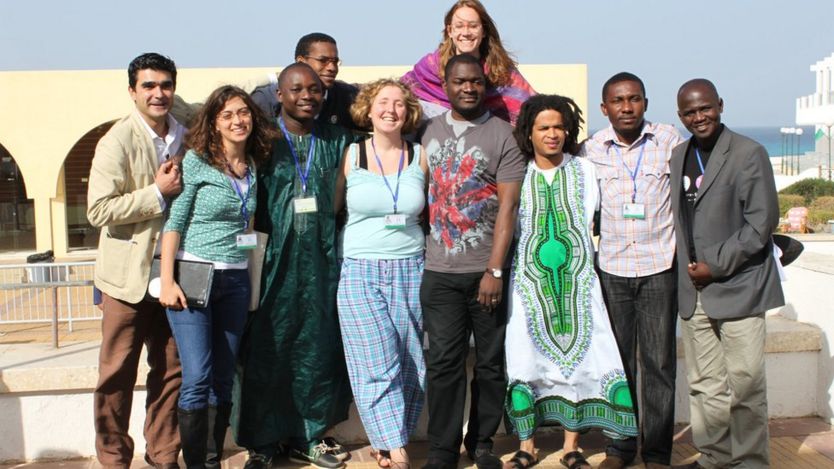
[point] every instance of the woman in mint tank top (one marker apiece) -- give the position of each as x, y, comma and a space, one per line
211, 220
382, 183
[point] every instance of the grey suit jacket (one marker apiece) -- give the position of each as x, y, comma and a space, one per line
736, 212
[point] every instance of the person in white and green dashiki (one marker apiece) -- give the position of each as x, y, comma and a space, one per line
563, 364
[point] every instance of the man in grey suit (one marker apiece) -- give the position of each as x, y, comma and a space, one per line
725, 208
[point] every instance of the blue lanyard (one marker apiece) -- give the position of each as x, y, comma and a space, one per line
311, 153
700, 163
631, 173
395, 194
244, 199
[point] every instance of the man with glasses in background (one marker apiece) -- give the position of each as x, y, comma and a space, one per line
319, 51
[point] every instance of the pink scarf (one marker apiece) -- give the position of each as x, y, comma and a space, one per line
502, 101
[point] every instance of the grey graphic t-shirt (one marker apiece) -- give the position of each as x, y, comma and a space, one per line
466, 162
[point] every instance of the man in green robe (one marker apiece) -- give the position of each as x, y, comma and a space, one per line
292, 382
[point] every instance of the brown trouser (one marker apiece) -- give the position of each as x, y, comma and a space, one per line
124, 328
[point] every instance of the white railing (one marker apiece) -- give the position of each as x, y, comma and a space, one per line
815, 100
47, 293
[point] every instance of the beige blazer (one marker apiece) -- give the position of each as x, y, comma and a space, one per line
122, 201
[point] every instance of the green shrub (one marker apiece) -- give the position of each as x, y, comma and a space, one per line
820, 216
825, 202
810, 189
788, 201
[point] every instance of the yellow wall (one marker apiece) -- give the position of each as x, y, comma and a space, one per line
43, 114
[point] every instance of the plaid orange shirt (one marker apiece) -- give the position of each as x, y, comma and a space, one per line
630, 247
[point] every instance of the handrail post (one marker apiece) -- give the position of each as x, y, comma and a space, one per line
54, 317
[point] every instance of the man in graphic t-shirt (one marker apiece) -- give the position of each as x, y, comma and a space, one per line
475, 170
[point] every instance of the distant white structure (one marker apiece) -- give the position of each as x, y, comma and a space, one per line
818, 108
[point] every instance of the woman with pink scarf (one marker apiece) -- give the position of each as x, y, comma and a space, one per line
470, 30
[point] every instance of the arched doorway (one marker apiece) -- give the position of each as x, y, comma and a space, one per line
80, 234
17, 211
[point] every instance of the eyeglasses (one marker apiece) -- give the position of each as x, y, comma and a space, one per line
325, 60
242, 113
461, 26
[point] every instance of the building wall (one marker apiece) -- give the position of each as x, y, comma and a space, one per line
53, 110
818, 108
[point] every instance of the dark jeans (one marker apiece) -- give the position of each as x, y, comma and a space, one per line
451, 313
643, 312
208, 339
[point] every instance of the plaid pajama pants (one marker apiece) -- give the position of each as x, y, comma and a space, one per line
382, 333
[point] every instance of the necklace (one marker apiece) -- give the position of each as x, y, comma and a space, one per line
234, 172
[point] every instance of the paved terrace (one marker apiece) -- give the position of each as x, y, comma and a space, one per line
29, 367
794, 443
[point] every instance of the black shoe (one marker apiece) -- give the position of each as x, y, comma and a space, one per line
438, 464
257, 461
692, 465
317, 456
218, 422
485, 459
335, 448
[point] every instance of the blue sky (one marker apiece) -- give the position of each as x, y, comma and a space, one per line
757, 52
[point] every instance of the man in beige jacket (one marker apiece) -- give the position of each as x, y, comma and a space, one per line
133, 177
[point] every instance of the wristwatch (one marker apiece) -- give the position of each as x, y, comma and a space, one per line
497, 273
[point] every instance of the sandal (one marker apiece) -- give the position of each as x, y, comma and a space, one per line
575, 460
382, 456
404, 464
521, 460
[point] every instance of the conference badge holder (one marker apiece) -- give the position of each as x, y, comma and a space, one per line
634, 211
246, 241
395, 221
305, 205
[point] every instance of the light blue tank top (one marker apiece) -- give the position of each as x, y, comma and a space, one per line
369, 200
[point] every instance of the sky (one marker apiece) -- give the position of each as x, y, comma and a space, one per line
757, 52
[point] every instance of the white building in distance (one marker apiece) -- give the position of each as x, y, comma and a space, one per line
818, 109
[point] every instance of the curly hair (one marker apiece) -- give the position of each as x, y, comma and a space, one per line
498, 63
206, 141
361, 108
571, 118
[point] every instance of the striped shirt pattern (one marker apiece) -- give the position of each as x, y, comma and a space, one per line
631, 247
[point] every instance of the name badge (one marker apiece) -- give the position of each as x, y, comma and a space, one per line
637, 211
247, 241
305, 205
395, 221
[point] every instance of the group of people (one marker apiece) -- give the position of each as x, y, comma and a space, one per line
452, 201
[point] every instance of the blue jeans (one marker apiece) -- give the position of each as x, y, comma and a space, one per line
208, 339
643, 312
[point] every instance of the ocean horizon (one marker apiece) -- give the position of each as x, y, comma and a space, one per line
770, 138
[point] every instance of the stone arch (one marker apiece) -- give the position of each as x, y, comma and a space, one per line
80, 234
17, 210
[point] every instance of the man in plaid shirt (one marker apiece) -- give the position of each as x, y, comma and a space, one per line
636, 255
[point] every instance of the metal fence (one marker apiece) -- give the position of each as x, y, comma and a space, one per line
47, 292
